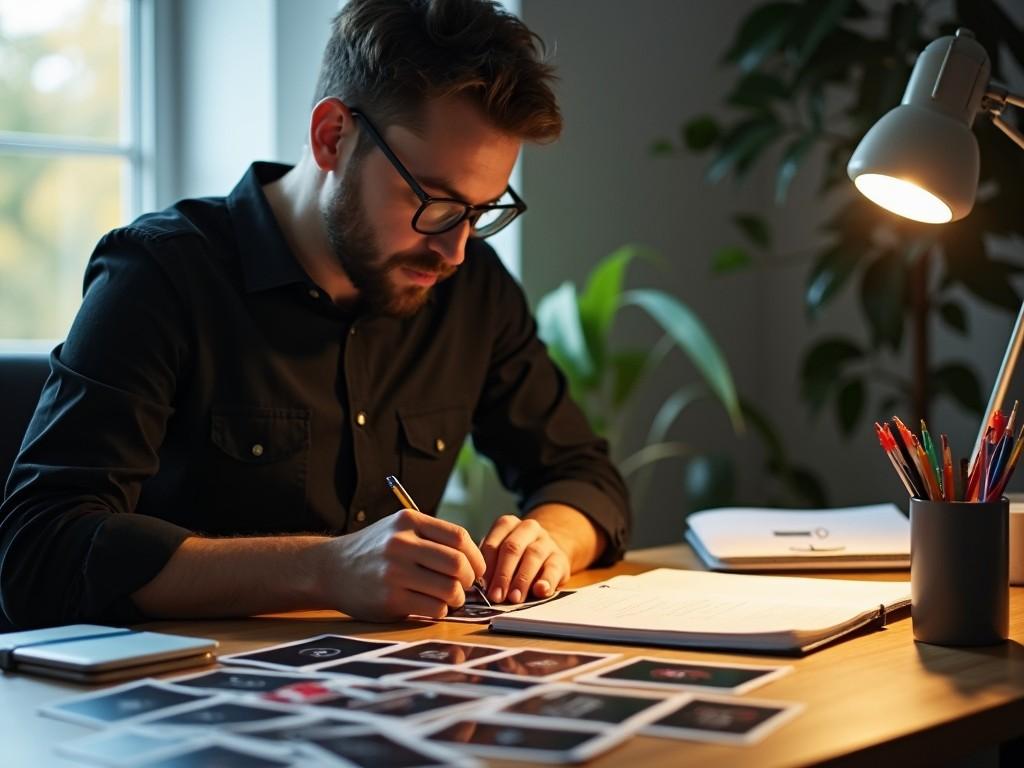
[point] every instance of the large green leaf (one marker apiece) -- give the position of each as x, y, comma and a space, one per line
816, 22
792, 156
742, 145
883, 297
959, 382
559, 326
761, 34
690, 335
600, 301
627, 369
823, 365
828, 275
968, 263
669, 411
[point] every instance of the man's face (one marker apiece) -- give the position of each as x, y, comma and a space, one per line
368, 214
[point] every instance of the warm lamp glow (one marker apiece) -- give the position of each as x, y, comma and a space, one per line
903, 197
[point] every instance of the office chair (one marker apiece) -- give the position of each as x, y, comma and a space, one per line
22, 375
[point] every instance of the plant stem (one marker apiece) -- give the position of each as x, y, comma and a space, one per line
919, 322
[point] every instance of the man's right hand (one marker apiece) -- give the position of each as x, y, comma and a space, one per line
406, 564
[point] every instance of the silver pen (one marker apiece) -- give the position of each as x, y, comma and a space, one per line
406, 501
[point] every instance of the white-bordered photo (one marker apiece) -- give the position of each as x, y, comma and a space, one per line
223, 751
683, 675
223, 713
443, 652
243, 680
121, 746
584, 707
311, 651
469, 680
543, 663
368, 747
412, 706
122, 703
491, 736
723, 720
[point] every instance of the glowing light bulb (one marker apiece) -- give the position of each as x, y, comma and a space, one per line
903, 197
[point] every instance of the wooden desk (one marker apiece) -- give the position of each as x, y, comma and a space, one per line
879, 699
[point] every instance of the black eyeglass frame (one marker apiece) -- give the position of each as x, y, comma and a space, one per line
426, 200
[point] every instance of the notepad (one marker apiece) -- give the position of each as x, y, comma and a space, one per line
752, 539
93, 653
697, 609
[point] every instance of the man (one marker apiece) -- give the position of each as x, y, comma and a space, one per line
245, 371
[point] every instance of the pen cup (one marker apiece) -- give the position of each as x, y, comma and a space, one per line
959, 578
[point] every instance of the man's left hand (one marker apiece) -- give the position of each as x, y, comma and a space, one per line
536, 555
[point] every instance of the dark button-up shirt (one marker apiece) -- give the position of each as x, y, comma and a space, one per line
208, 386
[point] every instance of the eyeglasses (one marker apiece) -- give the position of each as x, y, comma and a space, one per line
440, 214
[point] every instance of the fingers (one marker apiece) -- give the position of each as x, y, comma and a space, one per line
436, 586
417, 604
450, 535
502, 527
553, 574
510, 551
530, 563
449, 563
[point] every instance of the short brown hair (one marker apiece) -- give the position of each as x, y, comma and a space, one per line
389, 57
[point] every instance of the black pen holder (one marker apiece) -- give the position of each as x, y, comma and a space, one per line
959, 572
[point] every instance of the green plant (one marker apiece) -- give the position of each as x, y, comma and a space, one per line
605, 381
813, 76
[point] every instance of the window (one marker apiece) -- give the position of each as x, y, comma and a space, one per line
70, 161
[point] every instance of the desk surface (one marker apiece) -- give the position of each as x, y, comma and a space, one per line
876, 699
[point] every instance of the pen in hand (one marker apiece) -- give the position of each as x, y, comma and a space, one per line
406, 501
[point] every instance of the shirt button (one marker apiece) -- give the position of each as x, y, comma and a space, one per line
361, 418
352, 331
257, 450
361, 516
439, 444
314, 293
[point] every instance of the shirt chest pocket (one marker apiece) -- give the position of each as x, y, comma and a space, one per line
429, 445
259, 466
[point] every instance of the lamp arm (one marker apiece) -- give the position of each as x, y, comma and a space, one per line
1003, 378
994, 102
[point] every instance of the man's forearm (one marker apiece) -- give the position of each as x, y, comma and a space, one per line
581, 540
236, 577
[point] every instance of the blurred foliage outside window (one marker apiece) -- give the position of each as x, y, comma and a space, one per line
67, 153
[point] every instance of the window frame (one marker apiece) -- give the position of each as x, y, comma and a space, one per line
138, 121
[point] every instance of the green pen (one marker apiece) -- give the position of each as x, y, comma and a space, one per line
929, 448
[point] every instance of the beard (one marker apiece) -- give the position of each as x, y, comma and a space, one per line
352, 242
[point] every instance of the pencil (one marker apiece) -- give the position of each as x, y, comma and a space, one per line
406, 501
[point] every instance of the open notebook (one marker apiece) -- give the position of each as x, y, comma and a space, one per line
696, 609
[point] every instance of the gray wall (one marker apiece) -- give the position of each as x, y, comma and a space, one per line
634, 71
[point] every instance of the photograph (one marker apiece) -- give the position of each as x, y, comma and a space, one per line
679, 675
122, 703
303, 653
723, 721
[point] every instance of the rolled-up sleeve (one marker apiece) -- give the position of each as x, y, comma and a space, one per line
541, 444
71, 546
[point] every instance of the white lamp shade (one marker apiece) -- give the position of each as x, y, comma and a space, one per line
920, 159
928, 165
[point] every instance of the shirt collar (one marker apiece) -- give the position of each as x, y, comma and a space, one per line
267, 261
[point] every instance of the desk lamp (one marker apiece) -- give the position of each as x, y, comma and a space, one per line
920, 160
